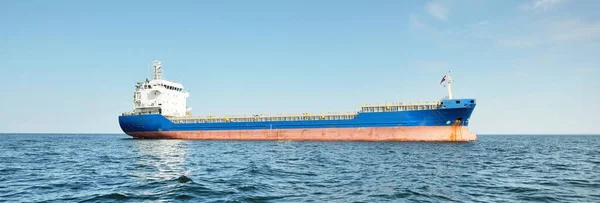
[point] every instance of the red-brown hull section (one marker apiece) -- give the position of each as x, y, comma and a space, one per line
420, 133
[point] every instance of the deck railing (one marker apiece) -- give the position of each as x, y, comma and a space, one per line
367, 108
267, 118
401, 106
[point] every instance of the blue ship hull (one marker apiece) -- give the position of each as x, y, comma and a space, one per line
446, 115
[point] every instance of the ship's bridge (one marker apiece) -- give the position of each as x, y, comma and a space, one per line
159, 96
162, 85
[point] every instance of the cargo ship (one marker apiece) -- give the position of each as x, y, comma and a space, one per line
160, 112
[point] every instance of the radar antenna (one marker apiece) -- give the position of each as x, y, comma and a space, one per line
157, 67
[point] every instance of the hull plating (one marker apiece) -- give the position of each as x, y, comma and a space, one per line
447, 124
432, 134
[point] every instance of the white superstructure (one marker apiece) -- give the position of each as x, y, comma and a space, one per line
160, 96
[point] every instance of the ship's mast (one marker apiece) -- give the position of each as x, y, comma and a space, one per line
157, 67
449, 85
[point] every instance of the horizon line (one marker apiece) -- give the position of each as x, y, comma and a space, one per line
483, 134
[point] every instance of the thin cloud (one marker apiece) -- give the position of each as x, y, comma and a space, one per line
437, 10
575, 30
560, 32
518, 43
415, 22
433, 66
584, 70
546, 4
542, 4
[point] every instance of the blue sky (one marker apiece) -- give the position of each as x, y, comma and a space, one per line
71, 66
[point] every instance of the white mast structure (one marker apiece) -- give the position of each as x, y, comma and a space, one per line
449, 84
157, 68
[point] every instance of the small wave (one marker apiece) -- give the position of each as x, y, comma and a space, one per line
402, 195
246, 188
443, 197
579, 182
184, 179
267, 170
106, 197
184, 197
229, 152
536, 198
5, 171
520, 190
262, 198
412, 192
406, 193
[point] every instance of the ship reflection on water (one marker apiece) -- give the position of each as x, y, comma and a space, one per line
160, 160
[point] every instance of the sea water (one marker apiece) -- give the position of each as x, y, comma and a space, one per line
106, 168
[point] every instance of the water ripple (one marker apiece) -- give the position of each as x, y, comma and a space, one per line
112, 168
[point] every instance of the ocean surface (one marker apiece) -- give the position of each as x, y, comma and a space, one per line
116, 168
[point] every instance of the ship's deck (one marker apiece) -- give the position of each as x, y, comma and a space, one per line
383, 107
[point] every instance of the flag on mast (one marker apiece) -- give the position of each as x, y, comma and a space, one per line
443, 79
